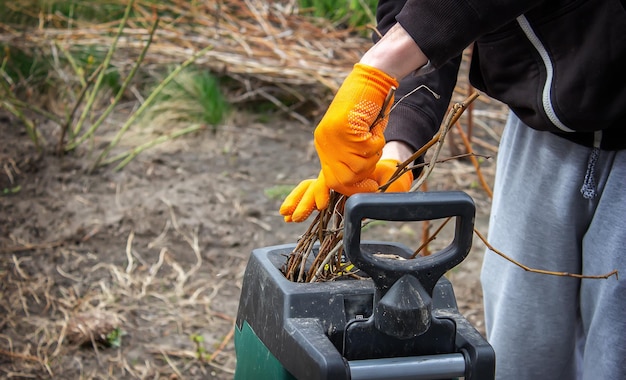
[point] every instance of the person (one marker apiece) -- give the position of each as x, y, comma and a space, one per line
560, 188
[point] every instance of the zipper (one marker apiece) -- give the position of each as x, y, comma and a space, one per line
547, 87
589, 188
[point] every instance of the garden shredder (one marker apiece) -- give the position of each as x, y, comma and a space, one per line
402, 322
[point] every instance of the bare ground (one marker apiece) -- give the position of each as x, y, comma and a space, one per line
158, 250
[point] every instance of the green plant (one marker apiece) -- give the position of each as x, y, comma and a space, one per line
9, 101
11, 190
102, 74
374, 223
25, 70
126, 156
192, 97
98, 81
351, 13
278, 192
198, 341
27, 12
85, 61
114, 338
94, 72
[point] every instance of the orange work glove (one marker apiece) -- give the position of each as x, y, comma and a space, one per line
313, 194
309, 195
347, 148
383, 172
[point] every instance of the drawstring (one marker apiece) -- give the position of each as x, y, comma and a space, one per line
589, 189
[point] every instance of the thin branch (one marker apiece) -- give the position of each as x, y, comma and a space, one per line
435, 95
31, 247
382, 115
31, 107
21, 356
453, 115
475, 162
542, 271
431, 238
223, 344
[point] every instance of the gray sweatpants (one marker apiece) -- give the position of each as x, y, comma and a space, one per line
543, 326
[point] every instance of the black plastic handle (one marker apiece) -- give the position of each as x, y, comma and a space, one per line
410, 206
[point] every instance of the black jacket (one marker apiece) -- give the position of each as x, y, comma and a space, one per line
560, 65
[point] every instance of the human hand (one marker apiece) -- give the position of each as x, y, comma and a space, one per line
314, 194
309, 195
346, 142
385, 168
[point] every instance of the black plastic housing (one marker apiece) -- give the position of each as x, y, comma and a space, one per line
316, 330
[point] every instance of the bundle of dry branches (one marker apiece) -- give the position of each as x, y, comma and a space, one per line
327, 227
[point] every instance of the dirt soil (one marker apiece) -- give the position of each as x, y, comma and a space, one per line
157, 251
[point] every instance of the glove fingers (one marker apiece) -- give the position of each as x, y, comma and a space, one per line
309, 195
294, 198
383, 172
401, 185
306, 205
321, 192
316, 197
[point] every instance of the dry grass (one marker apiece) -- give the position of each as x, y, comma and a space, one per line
79, 311
256, 42
267, 47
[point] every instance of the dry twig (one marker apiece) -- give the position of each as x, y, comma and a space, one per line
31, 247
542, 271
327, 227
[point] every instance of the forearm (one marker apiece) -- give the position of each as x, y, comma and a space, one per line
396, 54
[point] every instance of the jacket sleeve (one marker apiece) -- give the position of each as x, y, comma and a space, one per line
443, 28
417, 115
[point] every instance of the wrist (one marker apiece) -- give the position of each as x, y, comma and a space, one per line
396, 150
